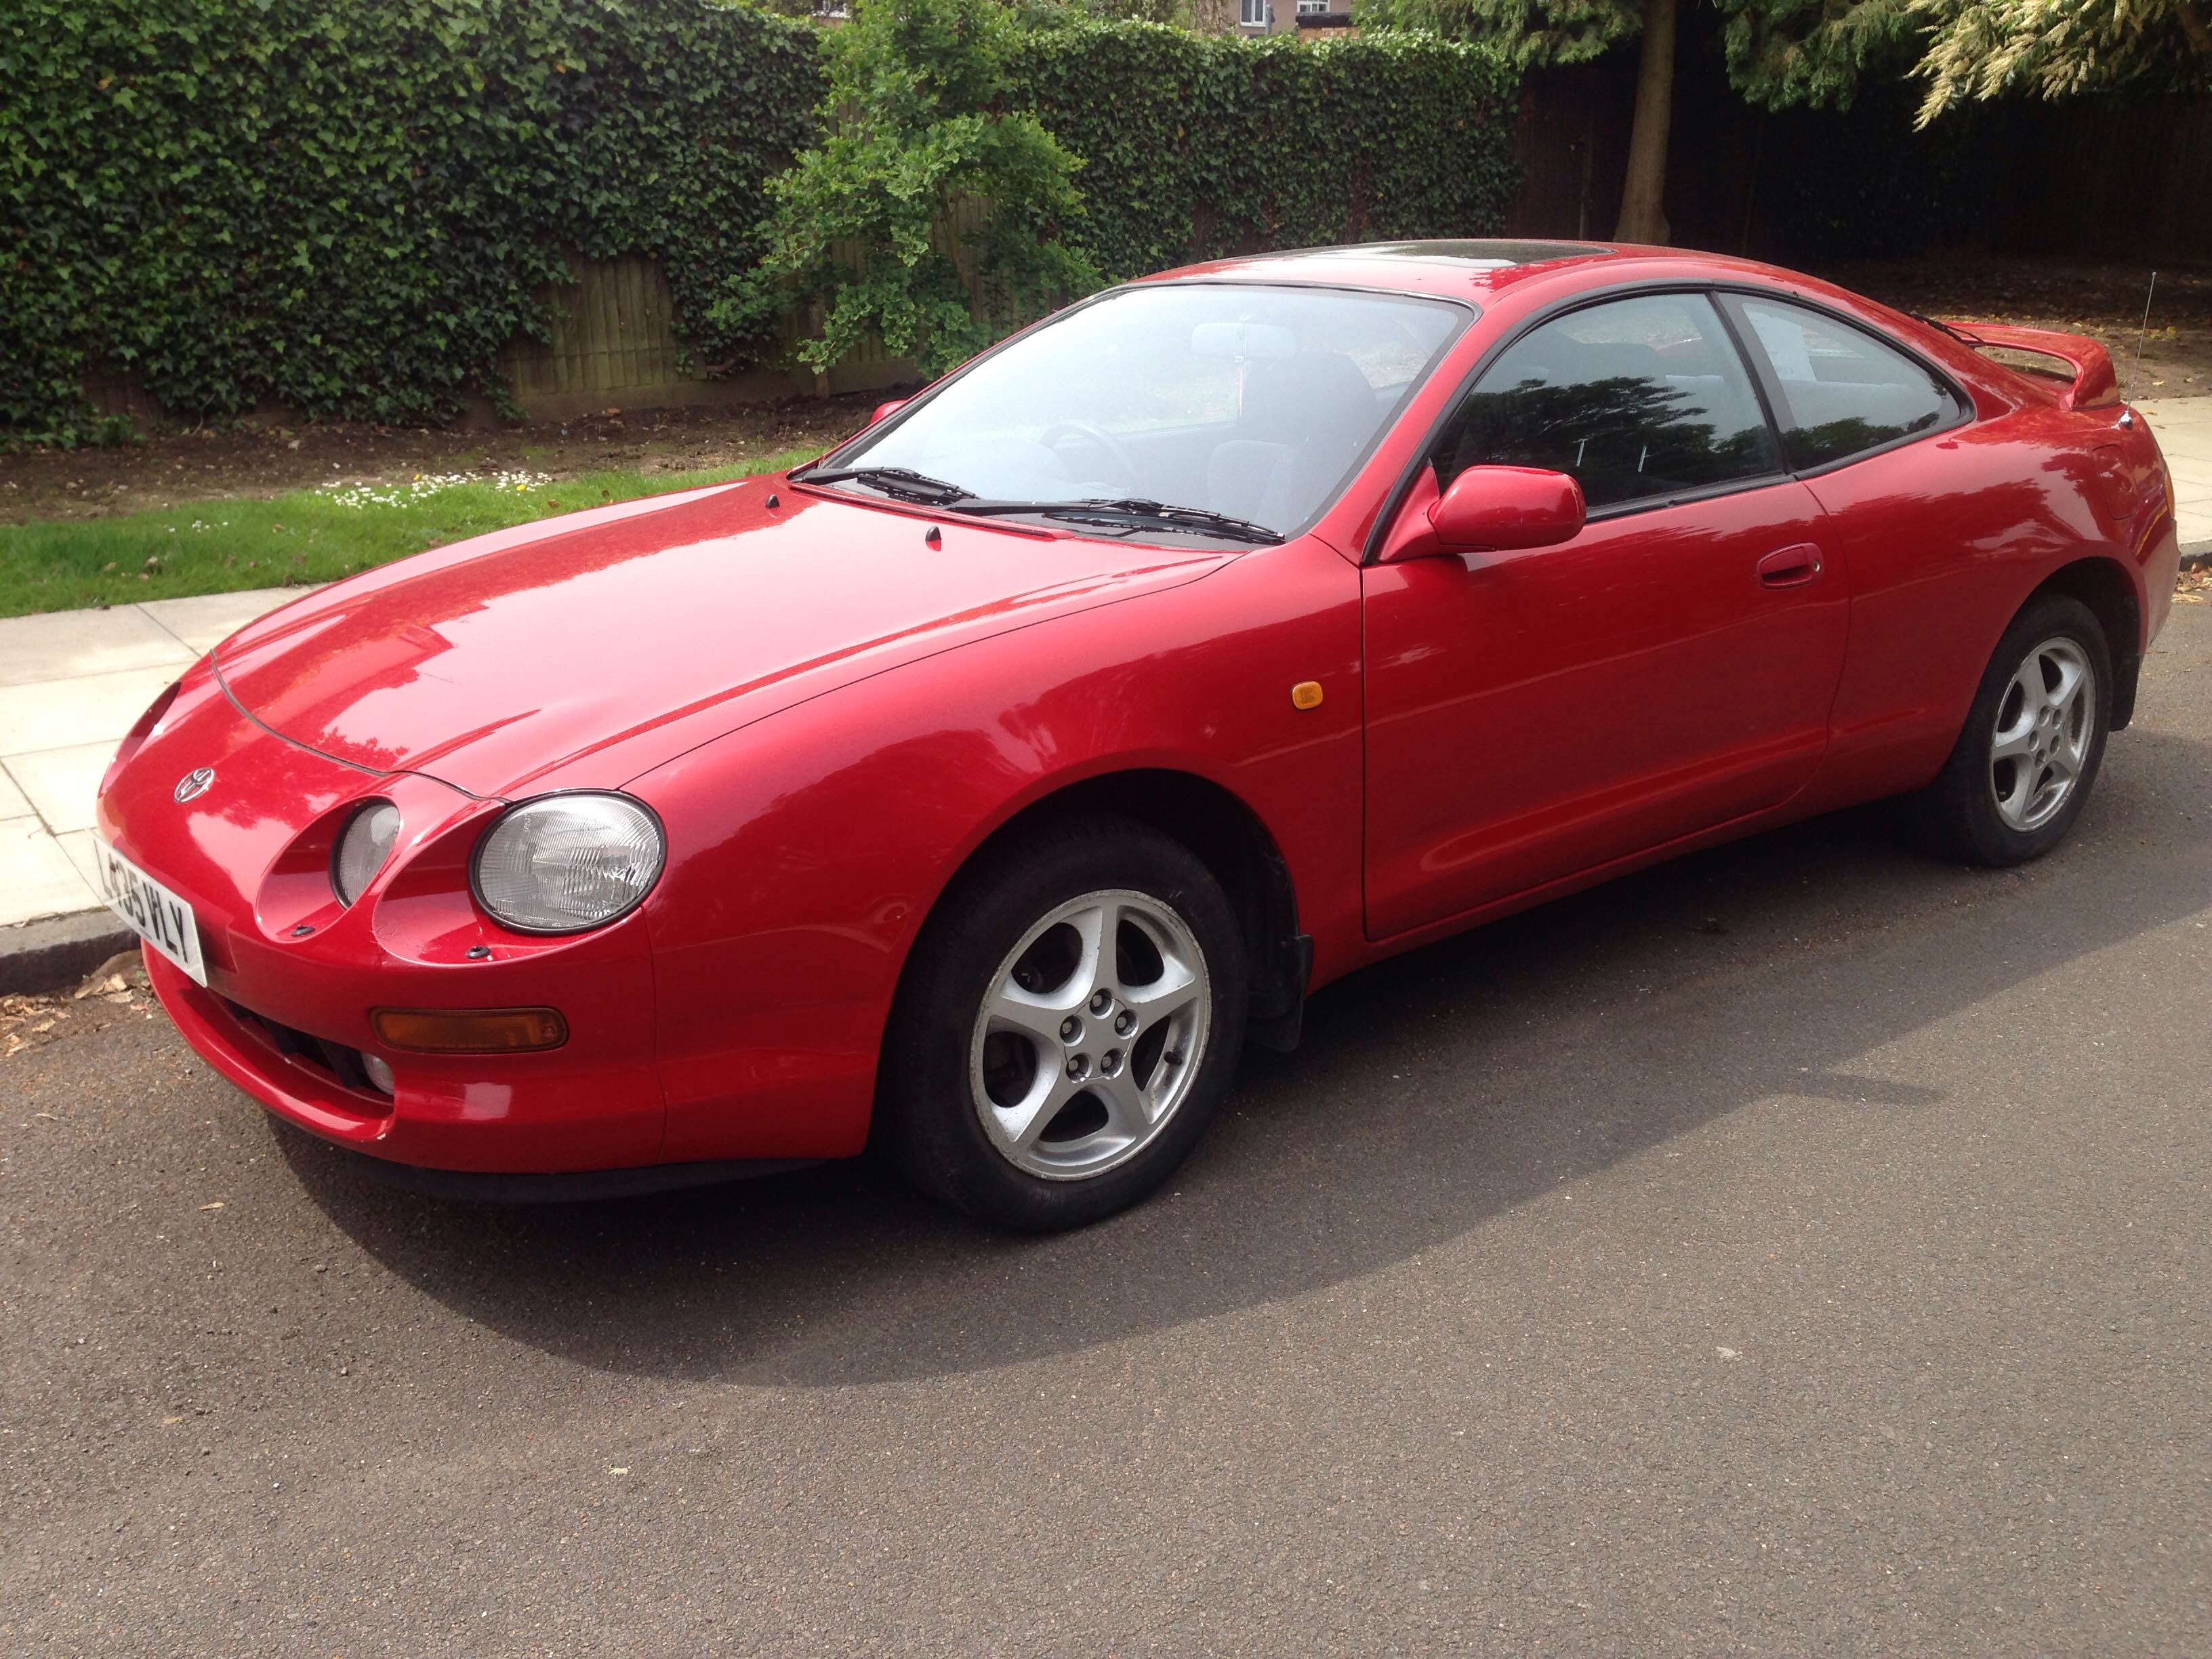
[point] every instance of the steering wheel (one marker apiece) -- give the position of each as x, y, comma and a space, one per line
1098, 437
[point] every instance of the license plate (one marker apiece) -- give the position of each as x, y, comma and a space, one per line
155, 914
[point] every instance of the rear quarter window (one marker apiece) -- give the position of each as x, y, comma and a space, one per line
1843, 393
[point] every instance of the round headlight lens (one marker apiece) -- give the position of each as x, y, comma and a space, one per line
562, 863
369, 837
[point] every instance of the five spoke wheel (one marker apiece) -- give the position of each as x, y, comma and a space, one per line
1092, 1031
2028, 754
2046, 722
1068, 1024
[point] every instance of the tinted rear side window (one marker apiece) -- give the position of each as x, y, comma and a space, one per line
1843, 392
1638, 398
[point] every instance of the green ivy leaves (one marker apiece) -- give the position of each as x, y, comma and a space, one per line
1196, 146
349, 208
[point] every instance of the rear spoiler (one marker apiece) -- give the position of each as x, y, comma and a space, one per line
2089, 365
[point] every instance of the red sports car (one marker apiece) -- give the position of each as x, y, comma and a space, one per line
977, 792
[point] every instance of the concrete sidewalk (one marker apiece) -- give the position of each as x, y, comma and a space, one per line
2184, 428
71, 682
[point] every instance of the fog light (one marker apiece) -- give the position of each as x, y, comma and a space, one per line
380, 1073
469, 1030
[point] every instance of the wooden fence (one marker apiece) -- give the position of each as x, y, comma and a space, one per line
2119, 178
615, 340
615, 343
2124, 179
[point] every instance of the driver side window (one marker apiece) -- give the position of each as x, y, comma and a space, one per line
1638, 398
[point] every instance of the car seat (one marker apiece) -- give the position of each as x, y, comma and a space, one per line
1306, 418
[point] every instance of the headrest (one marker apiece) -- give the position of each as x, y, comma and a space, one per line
1314, 395
1243, 342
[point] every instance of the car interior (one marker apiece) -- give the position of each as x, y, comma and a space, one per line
1257, 407
1306, 418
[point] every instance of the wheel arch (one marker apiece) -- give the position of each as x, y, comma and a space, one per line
1228, 836
2104, 585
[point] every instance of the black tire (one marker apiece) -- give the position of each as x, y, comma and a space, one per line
1959, 813
927, 1121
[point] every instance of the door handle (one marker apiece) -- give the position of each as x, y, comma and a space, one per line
1790, 567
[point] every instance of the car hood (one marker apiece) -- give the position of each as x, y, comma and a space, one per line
656, 624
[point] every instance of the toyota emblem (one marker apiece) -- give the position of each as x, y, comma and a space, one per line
194, 783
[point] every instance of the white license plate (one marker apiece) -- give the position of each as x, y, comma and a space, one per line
155, 914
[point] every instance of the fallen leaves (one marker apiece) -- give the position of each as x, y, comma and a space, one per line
23, 1017
113, 988
28, 1021
2194, 585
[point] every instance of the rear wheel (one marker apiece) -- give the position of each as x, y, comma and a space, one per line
2032, 743
1070, 1020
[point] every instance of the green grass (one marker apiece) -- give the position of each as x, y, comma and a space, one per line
308, 536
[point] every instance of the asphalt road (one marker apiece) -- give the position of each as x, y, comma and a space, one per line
1800, 1249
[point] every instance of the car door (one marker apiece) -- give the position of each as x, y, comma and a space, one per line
1943, 524
1538, 714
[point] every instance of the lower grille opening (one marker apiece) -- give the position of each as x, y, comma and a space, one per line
335, 1061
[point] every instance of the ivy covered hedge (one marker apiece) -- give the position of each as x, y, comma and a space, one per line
347, 208
1199, 145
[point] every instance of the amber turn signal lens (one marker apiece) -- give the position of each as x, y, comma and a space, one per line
469, 1030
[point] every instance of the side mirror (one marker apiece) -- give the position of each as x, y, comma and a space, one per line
885, 411
1494, 507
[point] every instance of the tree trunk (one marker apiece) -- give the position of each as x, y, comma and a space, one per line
2193, 26
1643, 216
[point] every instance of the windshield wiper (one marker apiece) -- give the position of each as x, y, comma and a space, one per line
1942, 327
1094, 509
906, 484
900, 481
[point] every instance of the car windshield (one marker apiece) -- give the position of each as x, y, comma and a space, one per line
1188, 409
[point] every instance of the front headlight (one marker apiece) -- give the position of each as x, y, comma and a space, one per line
562, 863
370, 835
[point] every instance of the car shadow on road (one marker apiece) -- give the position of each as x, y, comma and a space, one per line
1432, 1094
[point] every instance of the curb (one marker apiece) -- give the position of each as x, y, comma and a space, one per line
44, 955
2195, 554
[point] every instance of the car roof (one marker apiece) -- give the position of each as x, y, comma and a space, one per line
1470, 268
1534, 274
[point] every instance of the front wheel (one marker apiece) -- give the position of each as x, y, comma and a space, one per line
2033, 742
1070, 1021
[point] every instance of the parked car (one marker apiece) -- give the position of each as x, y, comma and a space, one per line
979, 791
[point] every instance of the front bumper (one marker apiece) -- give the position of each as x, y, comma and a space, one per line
541, 1114
292, 976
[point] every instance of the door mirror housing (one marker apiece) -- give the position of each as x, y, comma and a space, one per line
1492, 508
885, 411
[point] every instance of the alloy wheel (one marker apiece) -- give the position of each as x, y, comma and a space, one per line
1090, 1035
2046, 726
